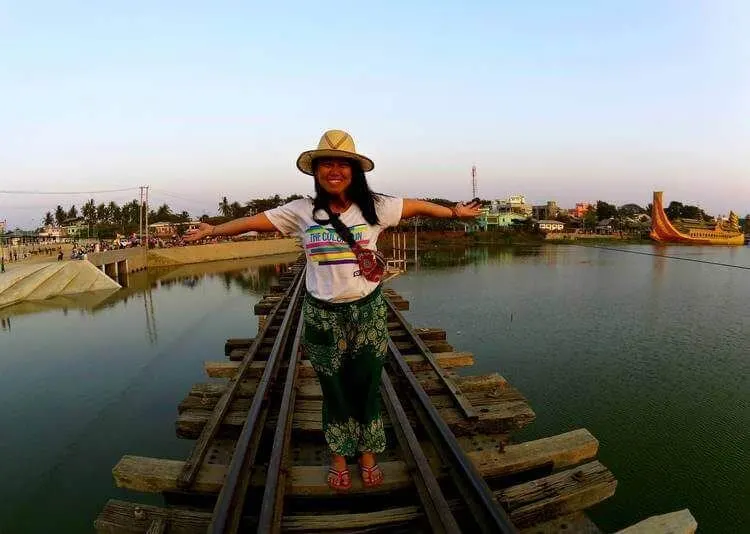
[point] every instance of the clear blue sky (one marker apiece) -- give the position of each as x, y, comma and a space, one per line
556, 100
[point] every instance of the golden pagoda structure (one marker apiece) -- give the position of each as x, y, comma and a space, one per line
723, 233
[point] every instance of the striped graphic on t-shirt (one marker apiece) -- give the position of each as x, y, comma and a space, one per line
325, 247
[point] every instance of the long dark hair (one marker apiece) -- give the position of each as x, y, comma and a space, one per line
359, 193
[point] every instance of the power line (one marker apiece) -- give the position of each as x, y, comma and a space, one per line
744, 267
192, 200
12, 192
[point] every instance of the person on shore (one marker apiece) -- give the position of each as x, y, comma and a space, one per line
345, 332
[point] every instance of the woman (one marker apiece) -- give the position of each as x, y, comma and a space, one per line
345, 315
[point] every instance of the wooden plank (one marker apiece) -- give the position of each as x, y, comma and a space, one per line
530, 503
577, 523
447, 360
426, 334
557, 494
309, 388
313, 392
496, 418
153, 475
238, 354
560, 451
680, 522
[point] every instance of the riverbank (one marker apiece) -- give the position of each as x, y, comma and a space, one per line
138, 259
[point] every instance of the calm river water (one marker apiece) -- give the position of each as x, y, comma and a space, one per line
648, 353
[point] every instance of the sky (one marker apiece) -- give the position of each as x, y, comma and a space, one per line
568, 101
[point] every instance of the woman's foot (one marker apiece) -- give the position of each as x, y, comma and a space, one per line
339, 478
369, 470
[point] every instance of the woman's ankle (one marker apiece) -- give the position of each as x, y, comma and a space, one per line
338, 462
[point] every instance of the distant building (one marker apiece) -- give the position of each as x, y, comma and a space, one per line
550, 226
51, 234
581, 209
166, 230
515, 204
74, 228
604, 226
550, 210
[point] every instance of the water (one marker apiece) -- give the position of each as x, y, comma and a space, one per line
649, 354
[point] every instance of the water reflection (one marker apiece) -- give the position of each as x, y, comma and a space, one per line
439, 258
250, 275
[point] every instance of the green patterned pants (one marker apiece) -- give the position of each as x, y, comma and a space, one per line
346, 344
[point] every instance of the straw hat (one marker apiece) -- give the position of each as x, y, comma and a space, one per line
333, 144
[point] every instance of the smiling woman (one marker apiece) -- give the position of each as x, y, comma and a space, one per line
345, 333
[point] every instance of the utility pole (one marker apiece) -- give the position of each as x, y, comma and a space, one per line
140, 216
473, 181
146, 225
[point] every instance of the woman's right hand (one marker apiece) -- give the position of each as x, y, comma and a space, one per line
203, 230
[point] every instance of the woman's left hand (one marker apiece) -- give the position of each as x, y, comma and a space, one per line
467, 210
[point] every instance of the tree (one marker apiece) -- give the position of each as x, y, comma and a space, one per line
630, 210
48, 219
102, 213
73, 212
237, 210
225, 208
163, 214
605, 210
89, 211
115, 213
589, 218
60, 215
674, 210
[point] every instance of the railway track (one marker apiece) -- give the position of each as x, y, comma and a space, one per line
259, 460
276, 391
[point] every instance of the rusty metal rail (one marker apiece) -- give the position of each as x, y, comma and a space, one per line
228, 511
489, 516
486, 515
459, 399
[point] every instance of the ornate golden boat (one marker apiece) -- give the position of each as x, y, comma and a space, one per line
723, 233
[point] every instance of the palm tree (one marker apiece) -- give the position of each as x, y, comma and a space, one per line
89, 213
236, 210
225, 208
163, 213
48, 219
114, 212
73, 212
60, 215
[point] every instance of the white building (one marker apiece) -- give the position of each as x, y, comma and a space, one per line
515, 203
550, 226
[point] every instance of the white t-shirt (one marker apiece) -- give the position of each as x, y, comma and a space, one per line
332, 269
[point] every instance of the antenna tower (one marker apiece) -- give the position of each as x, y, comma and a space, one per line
473, 181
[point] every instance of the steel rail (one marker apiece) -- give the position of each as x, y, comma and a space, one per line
459, 399
433, 500
229, 505
197, 455
272, 507
489, 515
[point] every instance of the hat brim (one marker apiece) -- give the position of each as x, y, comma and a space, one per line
304, 161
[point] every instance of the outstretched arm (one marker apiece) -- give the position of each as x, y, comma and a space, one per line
414, 207
257, 223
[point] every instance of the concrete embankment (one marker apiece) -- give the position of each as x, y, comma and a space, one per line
132, 260
40, 281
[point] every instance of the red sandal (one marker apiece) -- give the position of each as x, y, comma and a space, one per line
372, 476
339, 480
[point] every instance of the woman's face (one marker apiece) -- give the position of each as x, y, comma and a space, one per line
334, 175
